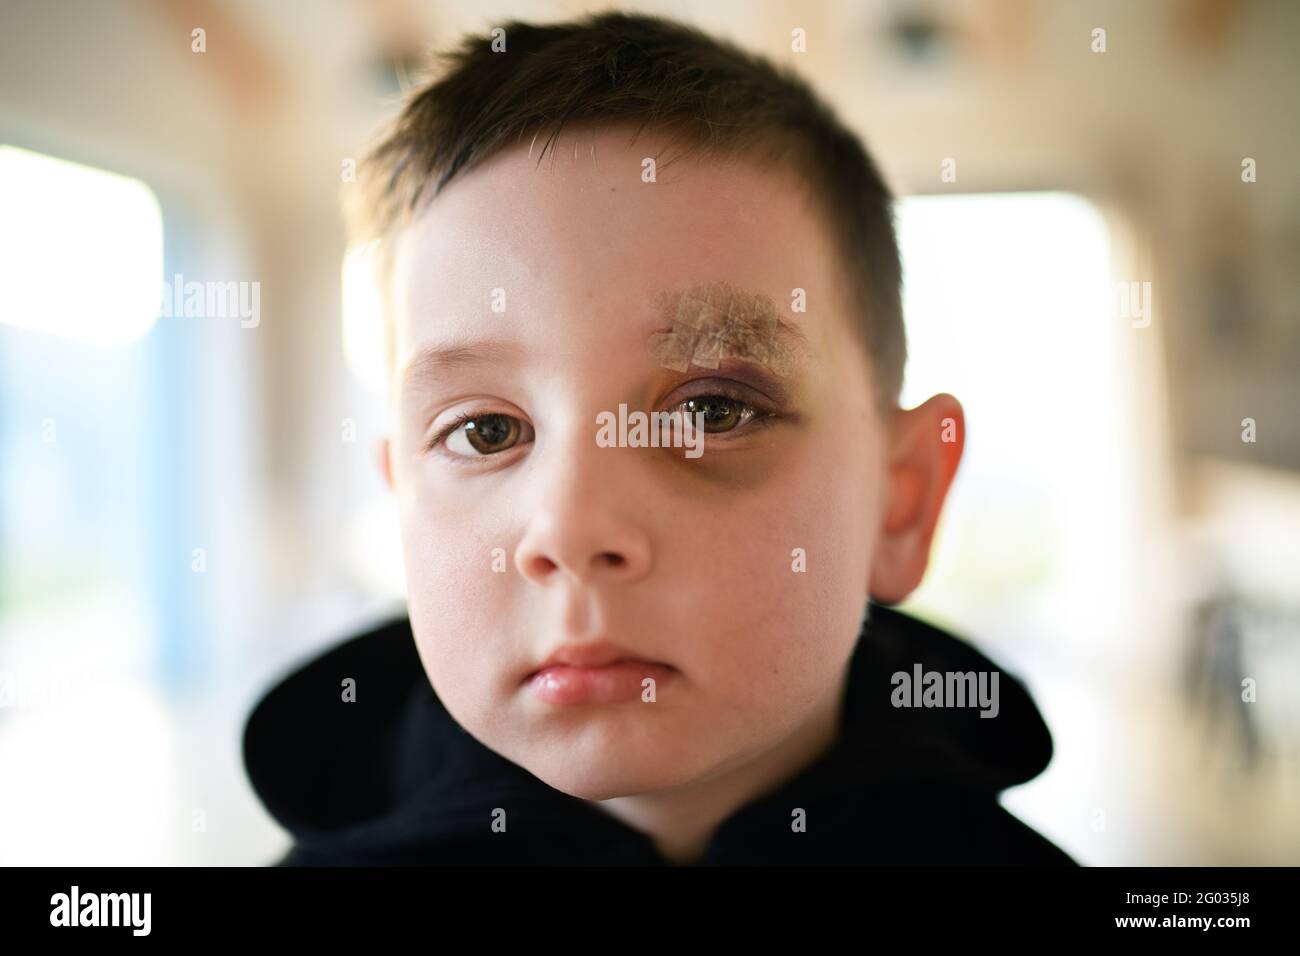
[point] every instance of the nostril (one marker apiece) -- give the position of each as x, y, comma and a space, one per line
543, 566
613, 560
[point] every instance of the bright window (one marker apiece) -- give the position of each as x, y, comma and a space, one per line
81, 250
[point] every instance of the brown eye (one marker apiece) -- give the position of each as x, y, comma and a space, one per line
484, 435
721, 414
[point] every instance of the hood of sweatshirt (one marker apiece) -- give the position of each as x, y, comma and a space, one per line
390, 778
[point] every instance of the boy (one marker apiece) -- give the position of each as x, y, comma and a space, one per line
618, 651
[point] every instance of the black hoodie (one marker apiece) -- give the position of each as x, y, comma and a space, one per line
392, 779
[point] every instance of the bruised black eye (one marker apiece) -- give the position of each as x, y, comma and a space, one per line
479, 435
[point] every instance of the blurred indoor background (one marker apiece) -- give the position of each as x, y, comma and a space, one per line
1101, 234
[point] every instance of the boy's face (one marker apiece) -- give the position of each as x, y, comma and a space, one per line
533, 299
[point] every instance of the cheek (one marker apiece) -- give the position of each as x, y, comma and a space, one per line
775, 583
455, 594
450, 560
457, 549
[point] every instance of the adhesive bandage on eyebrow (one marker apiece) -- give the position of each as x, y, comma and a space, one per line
716, 321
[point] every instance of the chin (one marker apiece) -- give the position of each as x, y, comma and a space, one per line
620, 775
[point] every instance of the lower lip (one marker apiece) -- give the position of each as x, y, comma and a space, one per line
563, 685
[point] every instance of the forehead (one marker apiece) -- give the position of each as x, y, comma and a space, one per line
604, 224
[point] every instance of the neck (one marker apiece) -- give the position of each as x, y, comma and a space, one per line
681, 822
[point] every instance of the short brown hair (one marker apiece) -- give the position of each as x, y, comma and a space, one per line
620, 67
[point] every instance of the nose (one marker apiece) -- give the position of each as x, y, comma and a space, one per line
583, 526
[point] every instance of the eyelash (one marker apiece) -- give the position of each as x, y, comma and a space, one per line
762, 416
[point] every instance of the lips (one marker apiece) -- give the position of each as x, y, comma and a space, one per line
595, 673
591, 654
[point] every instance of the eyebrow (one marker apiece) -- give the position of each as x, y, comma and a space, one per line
429, 363
712, 321
702, 324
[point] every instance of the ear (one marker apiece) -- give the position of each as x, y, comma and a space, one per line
925, 446
384, 460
